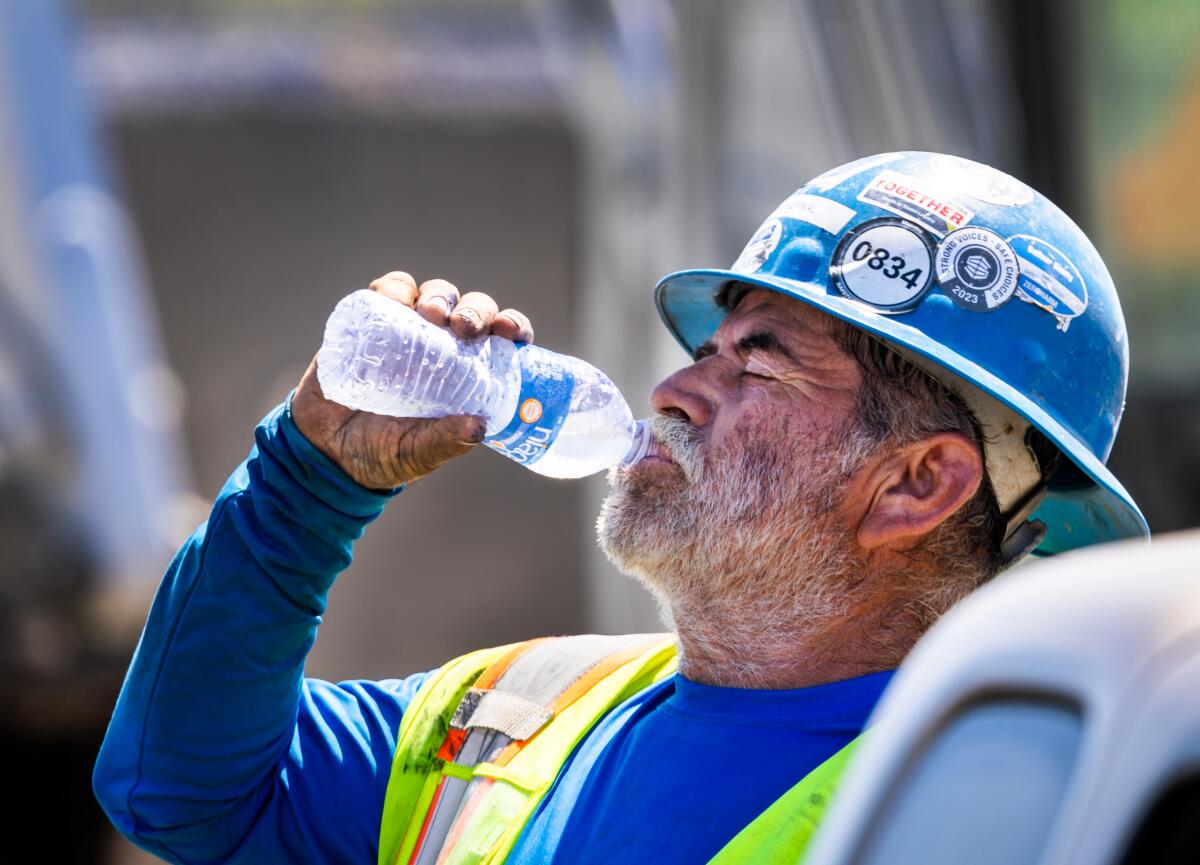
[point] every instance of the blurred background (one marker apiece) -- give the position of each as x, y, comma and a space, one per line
187, 187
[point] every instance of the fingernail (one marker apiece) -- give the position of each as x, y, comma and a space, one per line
475, 433
441, 303
469, 313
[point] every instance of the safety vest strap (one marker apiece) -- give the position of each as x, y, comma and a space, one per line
781, 834
483, 740
485, 737
415, 766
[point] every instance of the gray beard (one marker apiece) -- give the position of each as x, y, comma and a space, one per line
743, 552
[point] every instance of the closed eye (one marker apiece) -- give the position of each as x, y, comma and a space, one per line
756, 368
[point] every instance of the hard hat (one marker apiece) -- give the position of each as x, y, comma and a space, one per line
986, 285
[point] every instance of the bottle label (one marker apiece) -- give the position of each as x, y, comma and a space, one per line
542, 407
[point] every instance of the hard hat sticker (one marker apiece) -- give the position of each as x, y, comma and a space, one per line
1049, 279
977, 269
906, 197
824, 213
760, 247
981, 182
886, 263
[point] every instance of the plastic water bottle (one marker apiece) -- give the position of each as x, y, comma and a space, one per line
554, 414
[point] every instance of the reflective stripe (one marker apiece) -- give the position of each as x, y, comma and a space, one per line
452, 792
438, 807
416, 768
589, 679
550, 667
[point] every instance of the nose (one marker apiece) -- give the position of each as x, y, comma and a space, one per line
681, 395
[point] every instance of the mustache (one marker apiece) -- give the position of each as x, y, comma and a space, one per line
681, 441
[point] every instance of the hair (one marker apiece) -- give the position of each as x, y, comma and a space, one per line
900, 403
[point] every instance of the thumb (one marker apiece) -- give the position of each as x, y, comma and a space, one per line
430, 443
462, 431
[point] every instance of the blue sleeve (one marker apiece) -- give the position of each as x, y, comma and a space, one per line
219, 749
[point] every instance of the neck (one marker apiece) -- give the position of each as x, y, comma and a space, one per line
746, 646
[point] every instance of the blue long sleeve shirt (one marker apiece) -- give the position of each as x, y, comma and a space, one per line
221, 751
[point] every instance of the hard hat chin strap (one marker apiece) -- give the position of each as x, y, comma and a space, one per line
1017, 476
1021, 541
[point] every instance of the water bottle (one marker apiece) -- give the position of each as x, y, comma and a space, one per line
554, 414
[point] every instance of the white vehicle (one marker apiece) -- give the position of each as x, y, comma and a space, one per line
1053, 717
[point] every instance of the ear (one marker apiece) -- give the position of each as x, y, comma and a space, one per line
916, 488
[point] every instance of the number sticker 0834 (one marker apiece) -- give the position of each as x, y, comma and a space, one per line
886, 263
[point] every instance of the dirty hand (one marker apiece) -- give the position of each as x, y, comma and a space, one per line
382, 452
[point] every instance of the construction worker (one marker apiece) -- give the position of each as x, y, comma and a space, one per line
910, 379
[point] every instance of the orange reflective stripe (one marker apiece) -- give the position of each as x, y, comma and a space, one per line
584, 683
498, 669
573, 692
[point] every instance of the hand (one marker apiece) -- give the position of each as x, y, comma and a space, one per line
382, 452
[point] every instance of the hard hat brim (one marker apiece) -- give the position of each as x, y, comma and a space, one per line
1079, 509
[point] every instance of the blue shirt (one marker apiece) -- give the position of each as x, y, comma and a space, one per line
221, 751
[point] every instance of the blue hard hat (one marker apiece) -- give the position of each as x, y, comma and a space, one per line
986, 285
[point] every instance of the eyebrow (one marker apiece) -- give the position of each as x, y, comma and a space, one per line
764, 340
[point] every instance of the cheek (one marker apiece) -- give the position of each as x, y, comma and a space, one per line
783, 422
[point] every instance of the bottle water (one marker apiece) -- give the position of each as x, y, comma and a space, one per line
554, 414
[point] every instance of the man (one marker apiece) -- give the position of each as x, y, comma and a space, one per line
910, 378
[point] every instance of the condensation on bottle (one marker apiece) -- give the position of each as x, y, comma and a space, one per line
552, 413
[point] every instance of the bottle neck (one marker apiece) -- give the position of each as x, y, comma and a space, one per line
640, 444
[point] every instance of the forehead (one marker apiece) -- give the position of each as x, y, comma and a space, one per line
789, 315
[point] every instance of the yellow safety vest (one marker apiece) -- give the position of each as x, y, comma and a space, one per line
485, 737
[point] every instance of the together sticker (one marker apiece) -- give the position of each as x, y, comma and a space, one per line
907, 197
